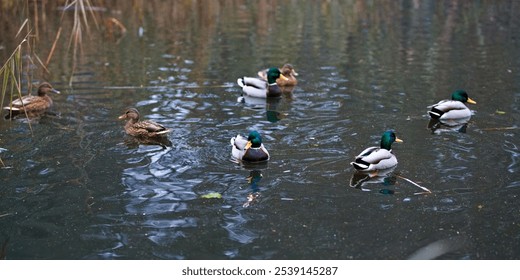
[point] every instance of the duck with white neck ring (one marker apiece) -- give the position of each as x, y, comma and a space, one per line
259, 88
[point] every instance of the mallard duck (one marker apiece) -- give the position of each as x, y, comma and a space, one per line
32, 104
452, 109
378, 158
256, 87
287, 71
143, 129
249, 149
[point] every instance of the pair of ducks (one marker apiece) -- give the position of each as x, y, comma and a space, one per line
270, 83
34, 105
374, 159
249, 149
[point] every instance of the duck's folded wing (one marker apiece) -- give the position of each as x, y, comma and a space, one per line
239, 142
151, 126
255, 82
263, 74
374, 155
437, 104
446, 105
367, 151
24, 101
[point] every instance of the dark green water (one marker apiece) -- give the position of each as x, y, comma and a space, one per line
79, 188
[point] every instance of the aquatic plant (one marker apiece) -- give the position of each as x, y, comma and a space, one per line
80, 8
12, 70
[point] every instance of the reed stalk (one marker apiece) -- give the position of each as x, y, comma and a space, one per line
11, 75
80, 23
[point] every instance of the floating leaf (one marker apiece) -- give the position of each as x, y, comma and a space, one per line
500, 112
211, 195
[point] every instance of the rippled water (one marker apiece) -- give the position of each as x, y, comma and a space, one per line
79, 188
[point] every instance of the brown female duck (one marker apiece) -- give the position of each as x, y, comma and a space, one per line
32, 104
142, 129
287, 71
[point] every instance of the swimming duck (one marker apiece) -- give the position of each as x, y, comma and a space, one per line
452, 109
32, 104
249, 149
378, 158
143, 129
287, 71
256, 87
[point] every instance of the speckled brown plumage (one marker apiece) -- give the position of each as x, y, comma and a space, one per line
142, 129
32, 104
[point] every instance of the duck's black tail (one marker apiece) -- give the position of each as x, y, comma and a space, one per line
435, 113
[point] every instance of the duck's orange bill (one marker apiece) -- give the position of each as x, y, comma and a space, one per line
471, 101
398, 140
283, 77
248, 145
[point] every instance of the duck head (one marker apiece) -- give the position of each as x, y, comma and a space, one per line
388, 138
130, 114
254, 140
45, 88
273, 74
462, 96
288, 70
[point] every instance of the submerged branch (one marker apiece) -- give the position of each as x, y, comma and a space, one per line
426, 190
499, 128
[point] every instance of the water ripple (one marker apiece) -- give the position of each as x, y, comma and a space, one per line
237, 230
511, 148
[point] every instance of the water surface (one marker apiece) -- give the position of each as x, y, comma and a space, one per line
77, 187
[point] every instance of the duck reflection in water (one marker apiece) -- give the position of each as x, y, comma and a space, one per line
363, 180
271, 106
438, 126
134, 142
255, 176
